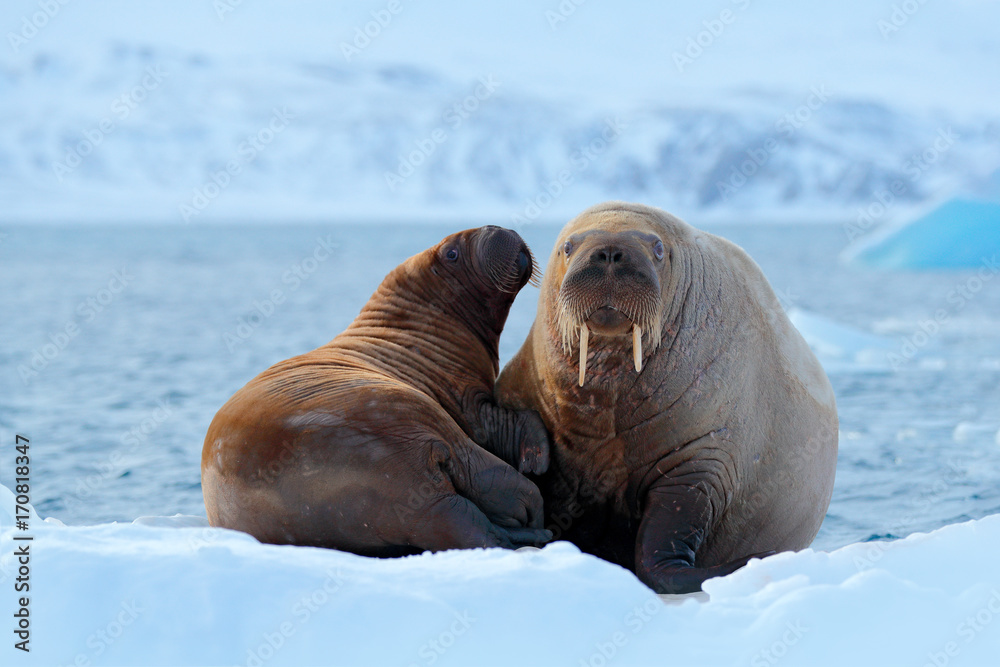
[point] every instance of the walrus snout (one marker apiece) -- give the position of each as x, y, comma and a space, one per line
506, 259
623, 258
611, 284
611, 255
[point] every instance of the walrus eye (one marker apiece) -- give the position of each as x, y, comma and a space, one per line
567, 248
658, 249
452, 254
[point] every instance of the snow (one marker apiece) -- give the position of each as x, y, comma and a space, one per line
176, 593
960, 233
693, 139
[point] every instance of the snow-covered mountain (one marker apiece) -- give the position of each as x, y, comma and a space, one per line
153, 115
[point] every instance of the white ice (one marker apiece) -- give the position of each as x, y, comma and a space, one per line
172, 594
839, 346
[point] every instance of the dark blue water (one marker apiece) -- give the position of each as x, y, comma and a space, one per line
118, 345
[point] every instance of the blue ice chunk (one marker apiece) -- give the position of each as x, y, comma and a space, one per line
960, 233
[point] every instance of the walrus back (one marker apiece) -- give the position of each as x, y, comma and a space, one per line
795, 354
799, 425
308, 439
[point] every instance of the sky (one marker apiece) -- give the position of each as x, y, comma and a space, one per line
928, 54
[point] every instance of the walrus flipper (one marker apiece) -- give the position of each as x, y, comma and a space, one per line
507, 498
518, 437
454, 522
675, 522
491, 504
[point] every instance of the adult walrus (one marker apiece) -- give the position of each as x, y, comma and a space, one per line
692, 428
368, 443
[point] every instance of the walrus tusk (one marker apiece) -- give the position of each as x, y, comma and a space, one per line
584, 338
637, 347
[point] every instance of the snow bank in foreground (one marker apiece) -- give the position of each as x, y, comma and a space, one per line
960, 233
140, 594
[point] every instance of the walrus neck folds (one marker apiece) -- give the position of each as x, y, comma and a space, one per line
432, 346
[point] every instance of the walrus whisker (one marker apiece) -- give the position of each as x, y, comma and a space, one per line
535, 280
504, 274
504, 281
644, 313
584, 339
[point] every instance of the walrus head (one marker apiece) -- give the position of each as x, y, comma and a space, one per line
610, 266
489, 259
476, 275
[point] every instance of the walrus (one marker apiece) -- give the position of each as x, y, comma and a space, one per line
387, 440
692, 427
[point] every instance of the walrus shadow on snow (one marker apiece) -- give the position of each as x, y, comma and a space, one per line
692, 427
369, 443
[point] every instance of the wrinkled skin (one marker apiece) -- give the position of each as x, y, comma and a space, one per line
369, 443
723, 447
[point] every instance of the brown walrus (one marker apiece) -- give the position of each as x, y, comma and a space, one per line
369, 443
692, 428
